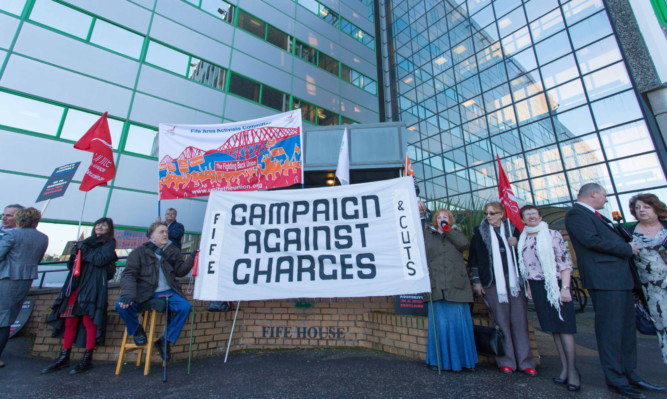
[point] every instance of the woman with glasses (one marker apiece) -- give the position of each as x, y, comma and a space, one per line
495, 276
545, 264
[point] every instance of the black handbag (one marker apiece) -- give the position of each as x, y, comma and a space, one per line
643, 320
489, 340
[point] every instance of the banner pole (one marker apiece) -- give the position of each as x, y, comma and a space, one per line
45, 205
435, 334
231, 333
78, 230
158, 208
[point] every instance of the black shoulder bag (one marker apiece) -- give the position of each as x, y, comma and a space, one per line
489, 340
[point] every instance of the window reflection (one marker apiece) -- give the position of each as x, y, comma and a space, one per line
598, 54
607, 81
567, 96
573, 123
251, 24
637, 172
219, 8
590, 30
140, 140
117, 39
592, 174
616, 109
77, 124
581, 151
244, 87
543, 161
626, 140
13, 6
35, 116
550, 189
547, 25
167, 58
61, 17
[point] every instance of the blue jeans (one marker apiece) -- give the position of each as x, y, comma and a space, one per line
179, 310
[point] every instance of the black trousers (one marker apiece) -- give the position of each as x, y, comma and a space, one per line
616, 335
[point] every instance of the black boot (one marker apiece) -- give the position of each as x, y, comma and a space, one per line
85, 364
61, 362
166, 356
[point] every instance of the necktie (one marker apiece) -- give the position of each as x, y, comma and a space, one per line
599, 215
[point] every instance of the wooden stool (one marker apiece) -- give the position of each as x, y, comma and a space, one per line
129, 346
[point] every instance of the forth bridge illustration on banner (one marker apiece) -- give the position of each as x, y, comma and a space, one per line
250, 155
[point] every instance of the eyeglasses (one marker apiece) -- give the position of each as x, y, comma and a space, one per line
530, 214
491, 213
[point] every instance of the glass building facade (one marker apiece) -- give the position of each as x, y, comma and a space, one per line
542, 84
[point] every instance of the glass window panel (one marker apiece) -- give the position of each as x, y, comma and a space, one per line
616, 109
244, 87
590, 30
522, 192
502, 7
474, 6
219, 8
460, 32
581, 151
326, 118
12, 6
311, 5
483, 176
35, 116
475, 130
598, 54
511, 22
497, 98
452, 138
306, 53
465, 68
278, 38
60, 17
469, 88
493, 76
515, 168
550, 189
576, 10
525, 86
501, 120
328, 64
626, 140
573, 123
544, 161
117, 39
274, 99
521, 63
537, 134
77, 124
456, 183
552, 48
167, 58
489, 56
251, 24
471, 109
532, 108
206, 73
506, 144
567, 96
479, 152
559, 71
607, 81
481, 197
642, 172
462, 51
481, 39
308, 111
537, 8
517, 41
141, 140
455, 160
547, 25
592, 174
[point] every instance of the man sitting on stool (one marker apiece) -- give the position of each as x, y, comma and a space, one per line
151, 272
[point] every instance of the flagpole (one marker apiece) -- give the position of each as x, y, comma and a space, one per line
45, 205
81, 217
231, 333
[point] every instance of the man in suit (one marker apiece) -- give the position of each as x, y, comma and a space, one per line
603, 259
176, 230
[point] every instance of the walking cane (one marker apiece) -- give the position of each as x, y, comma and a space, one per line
166, 347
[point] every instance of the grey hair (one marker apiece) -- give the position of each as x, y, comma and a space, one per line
589, 188
17, 206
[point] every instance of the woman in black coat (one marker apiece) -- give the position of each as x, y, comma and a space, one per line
80, 311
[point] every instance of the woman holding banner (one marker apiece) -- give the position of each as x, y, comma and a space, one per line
495, 277
451, 344
80, 311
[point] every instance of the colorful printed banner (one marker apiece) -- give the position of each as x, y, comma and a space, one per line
344, 241
241, 156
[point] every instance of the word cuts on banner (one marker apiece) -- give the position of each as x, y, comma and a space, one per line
242, 156
344, 241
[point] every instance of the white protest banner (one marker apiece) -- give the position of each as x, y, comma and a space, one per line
346, 241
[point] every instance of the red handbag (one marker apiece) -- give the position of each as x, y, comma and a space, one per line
77, 264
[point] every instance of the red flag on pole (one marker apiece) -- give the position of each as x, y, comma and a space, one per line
408, 167
98, 141
508, 199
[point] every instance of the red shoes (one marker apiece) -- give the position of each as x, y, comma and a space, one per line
506, 370
530, 372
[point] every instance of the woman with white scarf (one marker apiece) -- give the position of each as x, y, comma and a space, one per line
545, 264
495, 276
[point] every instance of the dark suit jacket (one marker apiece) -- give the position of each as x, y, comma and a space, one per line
176, 231
602, 253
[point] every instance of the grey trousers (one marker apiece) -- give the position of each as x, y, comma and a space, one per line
512, 318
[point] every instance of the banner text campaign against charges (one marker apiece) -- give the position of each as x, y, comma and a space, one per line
345, 241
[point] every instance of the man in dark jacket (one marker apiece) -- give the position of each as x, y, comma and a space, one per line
150, 273
602, 258
176, 230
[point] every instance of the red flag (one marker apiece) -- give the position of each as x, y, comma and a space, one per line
408, 167
196, 265
77, 264
508, 199
98, 141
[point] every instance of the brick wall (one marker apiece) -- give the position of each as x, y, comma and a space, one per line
277, 324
